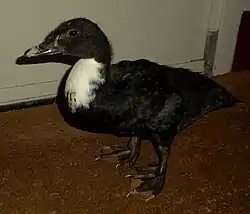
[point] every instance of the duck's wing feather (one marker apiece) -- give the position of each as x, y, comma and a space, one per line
138, 96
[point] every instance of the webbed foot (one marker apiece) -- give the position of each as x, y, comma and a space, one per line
148, 186
149, 182
122, 155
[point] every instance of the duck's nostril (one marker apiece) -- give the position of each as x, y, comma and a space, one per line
42, 46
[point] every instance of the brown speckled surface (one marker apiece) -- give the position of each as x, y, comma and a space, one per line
47, 166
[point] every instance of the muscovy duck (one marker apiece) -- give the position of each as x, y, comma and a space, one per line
137, 98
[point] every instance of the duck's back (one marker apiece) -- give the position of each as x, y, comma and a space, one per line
200, 94
198, 91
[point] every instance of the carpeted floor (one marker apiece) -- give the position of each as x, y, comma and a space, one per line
48, 167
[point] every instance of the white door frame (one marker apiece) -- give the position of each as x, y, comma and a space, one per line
225, 17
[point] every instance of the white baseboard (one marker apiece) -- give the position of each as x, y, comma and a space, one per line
26, 93
195, 66
44, 90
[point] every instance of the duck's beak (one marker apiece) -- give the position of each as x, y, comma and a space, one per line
43, 49
36, 51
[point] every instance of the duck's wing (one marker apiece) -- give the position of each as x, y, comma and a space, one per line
138, 93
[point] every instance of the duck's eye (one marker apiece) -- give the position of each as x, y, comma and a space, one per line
73, 33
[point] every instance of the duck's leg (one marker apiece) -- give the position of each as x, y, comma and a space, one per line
149, 183
121, 155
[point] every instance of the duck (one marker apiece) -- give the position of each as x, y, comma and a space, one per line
140, 99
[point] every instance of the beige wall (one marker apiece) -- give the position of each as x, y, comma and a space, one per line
167, 31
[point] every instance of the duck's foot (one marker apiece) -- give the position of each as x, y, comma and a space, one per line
121, 155
149, 182
147, 185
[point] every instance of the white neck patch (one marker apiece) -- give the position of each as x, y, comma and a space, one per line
83, 78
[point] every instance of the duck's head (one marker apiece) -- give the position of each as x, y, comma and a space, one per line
79, 37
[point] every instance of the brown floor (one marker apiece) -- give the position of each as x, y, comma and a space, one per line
48, 167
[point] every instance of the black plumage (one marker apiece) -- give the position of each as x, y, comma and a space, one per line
139, 98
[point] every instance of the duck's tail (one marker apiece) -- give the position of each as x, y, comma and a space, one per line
221, 98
